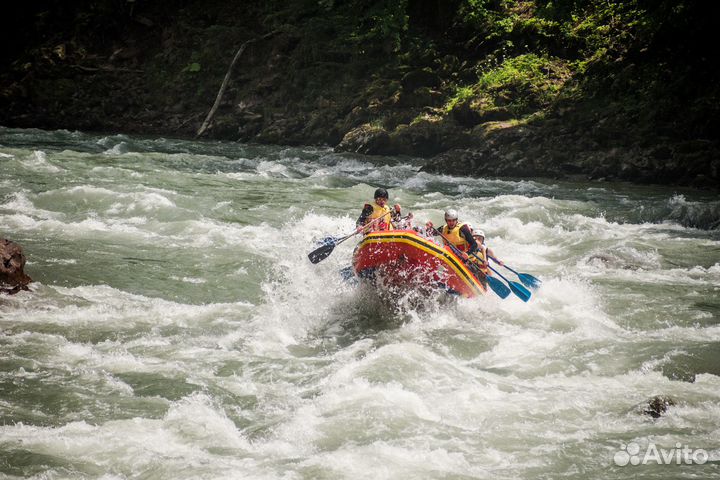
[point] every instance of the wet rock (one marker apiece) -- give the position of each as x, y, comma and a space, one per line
367, 139
427, 137
12, 263
658, 405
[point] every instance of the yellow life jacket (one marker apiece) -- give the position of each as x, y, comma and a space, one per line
453, 235
378, 211
481, 259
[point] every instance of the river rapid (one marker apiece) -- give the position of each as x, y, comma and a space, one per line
177, 330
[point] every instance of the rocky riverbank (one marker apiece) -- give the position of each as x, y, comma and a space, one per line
590, 89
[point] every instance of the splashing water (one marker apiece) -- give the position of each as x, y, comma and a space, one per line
177, 330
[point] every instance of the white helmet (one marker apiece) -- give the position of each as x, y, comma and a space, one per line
451, 214
479, 233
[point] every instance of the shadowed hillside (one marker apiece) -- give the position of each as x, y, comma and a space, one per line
599, 89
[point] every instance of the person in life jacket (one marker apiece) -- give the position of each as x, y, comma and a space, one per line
378, 213
457, 233
484, 252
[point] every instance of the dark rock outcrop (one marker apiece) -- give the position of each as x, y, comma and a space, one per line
563, 148
12, 263
658, 405
368, 139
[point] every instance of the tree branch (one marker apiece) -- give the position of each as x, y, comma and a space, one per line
226, 80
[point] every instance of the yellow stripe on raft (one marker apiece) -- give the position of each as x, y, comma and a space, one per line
434, 250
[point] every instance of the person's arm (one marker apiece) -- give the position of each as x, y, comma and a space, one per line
366, 212
396, 214
490, 253
431, 230
467, 235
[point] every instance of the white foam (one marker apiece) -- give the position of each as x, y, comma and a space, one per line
39, 162
316, 378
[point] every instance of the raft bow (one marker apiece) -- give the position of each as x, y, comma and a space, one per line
406, 260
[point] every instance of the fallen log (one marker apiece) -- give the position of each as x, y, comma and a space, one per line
226, 80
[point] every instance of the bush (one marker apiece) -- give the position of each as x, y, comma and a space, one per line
525, 82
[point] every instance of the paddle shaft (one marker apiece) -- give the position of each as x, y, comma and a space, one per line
525, 278
496, 285
498, 262
342, 239
499, 274
368, 224
455, 250
520, 291
320, 254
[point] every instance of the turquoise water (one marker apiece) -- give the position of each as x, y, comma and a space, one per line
177, 330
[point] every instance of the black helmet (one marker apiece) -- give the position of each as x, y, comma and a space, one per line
381, 193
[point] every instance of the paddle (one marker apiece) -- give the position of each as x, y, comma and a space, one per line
522, 292
527, 279
320, 254
497, 286
500, 289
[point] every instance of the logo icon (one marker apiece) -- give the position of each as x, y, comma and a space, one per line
631, 454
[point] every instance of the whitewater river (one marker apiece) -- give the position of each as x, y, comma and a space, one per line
177, 330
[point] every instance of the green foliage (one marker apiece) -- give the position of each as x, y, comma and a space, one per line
526, 81
192, 68
462, 94
487, 17
477, 12
382, 24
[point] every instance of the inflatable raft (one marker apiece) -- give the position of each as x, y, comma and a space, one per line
405, 260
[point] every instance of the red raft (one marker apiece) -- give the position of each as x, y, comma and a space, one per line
406, 260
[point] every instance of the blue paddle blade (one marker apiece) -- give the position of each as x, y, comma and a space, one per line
327, 241
529, 281
498, 287
522, 292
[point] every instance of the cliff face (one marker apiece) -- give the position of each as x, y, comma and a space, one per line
593, 88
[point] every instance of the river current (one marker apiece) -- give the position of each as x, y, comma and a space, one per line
177, 330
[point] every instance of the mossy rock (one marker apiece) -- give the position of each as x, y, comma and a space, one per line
368, 139
475, 111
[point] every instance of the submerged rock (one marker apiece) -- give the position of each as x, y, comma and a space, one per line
658, 405
12, 263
